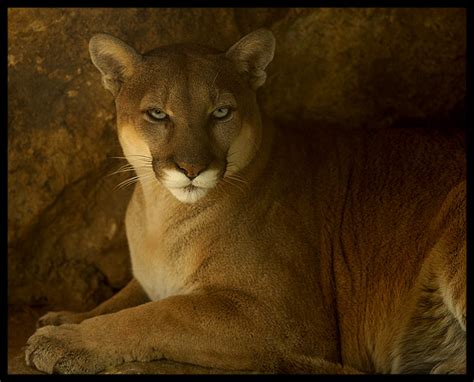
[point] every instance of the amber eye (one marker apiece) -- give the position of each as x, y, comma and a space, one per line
156, 115
221, 112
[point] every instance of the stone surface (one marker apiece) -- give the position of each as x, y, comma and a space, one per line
78, 255
366, 67
341, 67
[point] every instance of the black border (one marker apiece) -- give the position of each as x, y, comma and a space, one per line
470, 189
4, 4
236, 4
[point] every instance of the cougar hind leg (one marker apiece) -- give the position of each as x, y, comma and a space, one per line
433, 339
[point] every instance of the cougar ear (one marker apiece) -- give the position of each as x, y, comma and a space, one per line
115, 60
252, 54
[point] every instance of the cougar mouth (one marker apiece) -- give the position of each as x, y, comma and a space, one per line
188, 194
190, 188
187, 190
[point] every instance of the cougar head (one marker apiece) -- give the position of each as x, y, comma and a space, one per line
187, 115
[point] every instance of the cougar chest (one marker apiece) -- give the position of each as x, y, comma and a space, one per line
158, 260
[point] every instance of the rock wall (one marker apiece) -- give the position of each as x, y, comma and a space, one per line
344, 67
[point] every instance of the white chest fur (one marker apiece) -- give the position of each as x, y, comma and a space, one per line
158, 277
160, 272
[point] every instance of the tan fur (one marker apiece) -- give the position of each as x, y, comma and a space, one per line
317, 251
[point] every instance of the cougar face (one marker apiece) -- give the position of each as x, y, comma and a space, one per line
187, 115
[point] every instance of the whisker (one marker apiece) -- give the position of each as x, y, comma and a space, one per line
138, 157
128, 165
122, 168
125, 183
244, 184
121, 171
132, 180
239, 176
228, 181
129, 168
238, 179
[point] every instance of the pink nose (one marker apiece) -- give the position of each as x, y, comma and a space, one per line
190, 170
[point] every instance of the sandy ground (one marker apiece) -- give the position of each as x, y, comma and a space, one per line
22, 323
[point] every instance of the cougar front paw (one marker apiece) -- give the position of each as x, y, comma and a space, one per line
59, 318
65, 349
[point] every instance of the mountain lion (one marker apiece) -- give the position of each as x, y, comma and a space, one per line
275, 249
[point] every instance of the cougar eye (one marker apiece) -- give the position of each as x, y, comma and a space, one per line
221, 112
156, 115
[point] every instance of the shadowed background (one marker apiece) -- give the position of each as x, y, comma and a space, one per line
345, 68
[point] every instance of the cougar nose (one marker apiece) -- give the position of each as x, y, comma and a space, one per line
190, 170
